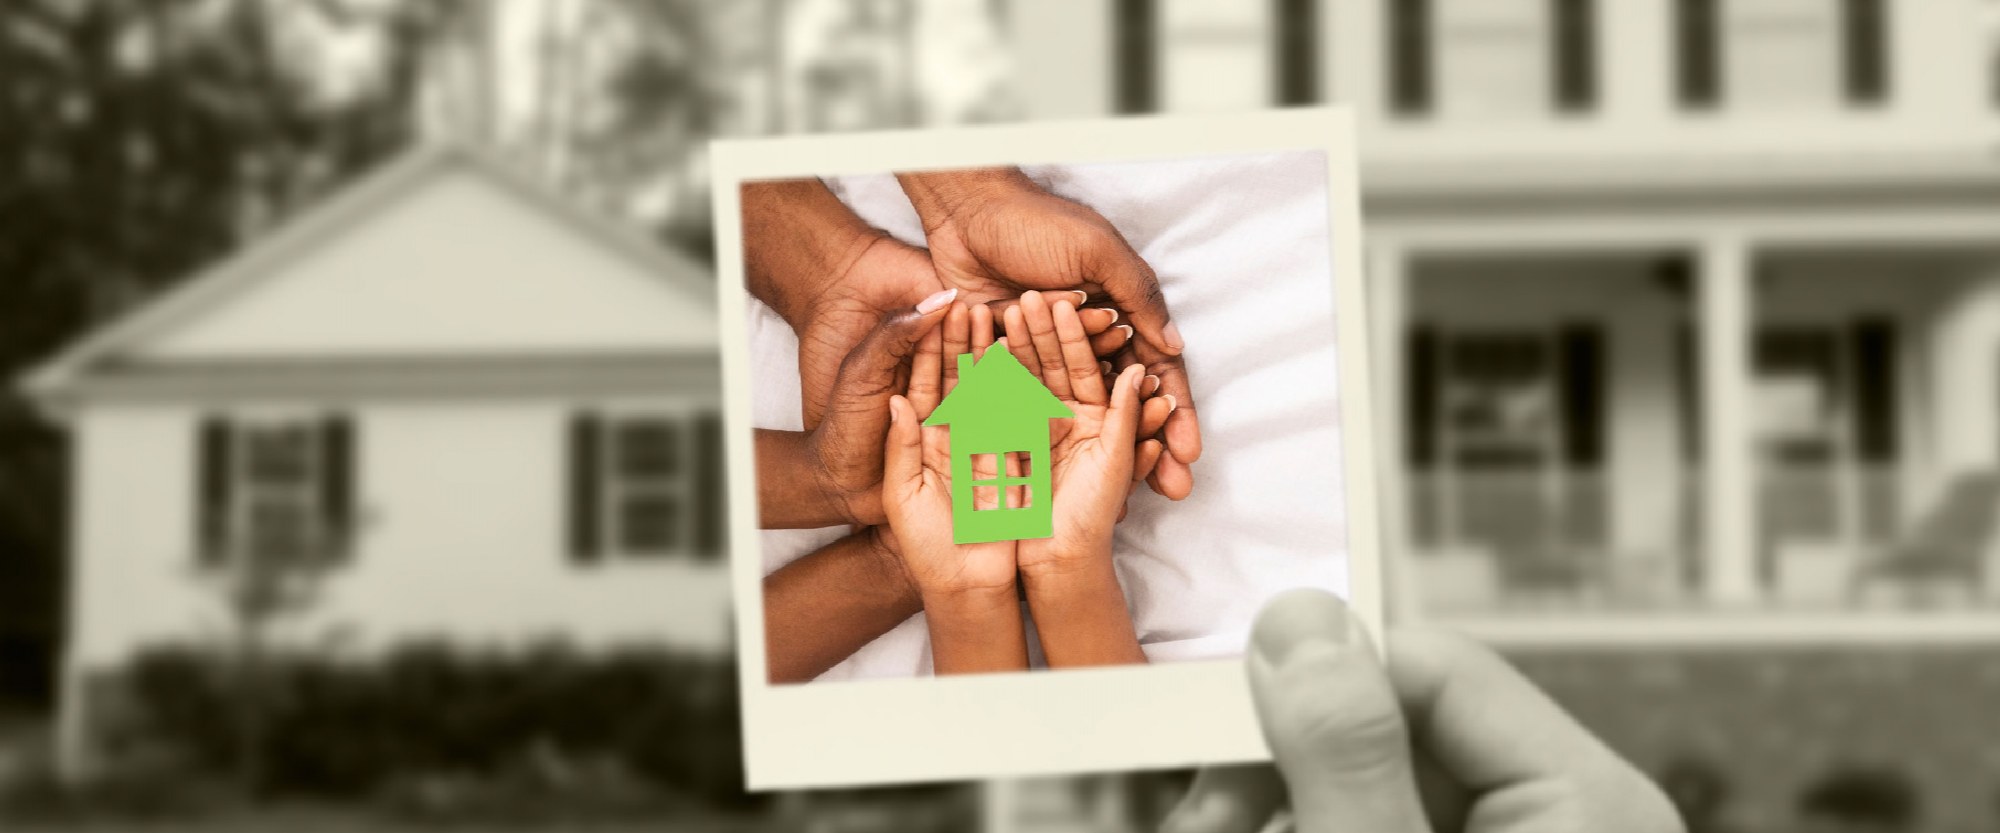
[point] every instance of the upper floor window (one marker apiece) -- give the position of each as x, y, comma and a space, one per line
1214, 56
646, 485
1492, 57
1781, 54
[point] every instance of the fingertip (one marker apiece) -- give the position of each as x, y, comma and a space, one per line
1183, 434
1173, 479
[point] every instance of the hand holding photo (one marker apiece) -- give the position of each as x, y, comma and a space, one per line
960, 357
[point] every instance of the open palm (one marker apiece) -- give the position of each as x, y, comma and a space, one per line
916, 488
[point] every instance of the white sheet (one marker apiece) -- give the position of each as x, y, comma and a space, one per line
1241, 247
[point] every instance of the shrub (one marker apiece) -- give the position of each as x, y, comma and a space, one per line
545, 716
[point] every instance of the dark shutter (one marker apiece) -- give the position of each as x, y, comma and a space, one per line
1409, 39
1575, 60
1874, 364
711, 488
1864, 50
213, 464
1135, 56
337, 466
586, 472
1698, 54
1296, 31
1583, 394
1421, 378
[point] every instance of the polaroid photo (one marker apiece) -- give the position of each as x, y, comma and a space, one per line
1024, 425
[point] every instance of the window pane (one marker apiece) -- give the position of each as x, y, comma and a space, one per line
649, 523
280, 530
279, 455
649, 448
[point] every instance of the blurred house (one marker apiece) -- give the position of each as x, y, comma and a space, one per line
1687, 334
1698, 301
510, 411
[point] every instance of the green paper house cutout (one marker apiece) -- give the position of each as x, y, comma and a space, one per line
997, 408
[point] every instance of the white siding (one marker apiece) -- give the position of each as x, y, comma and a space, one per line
463, 507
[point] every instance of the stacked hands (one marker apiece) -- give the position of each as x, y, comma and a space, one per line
880, 326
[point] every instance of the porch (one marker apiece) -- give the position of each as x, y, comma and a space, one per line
1782, 427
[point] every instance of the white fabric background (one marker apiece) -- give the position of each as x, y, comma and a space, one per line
1241, 247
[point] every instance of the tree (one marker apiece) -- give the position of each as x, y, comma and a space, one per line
139, 142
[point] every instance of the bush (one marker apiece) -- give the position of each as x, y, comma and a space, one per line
545, 717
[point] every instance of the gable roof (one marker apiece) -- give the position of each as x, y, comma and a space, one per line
995, 389
345, 210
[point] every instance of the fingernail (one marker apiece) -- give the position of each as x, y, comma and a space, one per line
1082, 297
1296, 619
1172, 403
1172, 332
1104, 367
1128, 331
1114, 315
1152, 385
936, 301
892, 413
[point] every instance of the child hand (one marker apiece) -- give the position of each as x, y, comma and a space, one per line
1094, 455
917, 472
1096, 459
971, 606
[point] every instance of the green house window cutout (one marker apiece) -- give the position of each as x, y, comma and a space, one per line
999, 408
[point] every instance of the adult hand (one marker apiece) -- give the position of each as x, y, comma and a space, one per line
1448, 738
847, 445
993, 233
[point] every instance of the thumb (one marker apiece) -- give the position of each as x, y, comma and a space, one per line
871, 367
1331, 718
1135, 289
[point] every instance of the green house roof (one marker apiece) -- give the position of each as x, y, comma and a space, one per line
995, 390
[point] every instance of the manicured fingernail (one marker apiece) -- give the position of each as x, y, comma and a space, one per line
1114, 316
892, 413
936, 301
1128, 331
1152, 385
1082, 297
1172, 332
1104, 367
1172, 403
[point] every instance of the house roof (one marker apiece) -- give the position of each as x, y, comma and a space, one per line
347, 209
997, 389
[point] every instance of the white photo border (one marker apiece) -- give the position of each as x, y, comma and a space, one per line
1042, 723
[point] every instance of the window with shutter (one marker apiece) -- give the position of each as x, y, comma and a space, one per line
278, 489
646, 485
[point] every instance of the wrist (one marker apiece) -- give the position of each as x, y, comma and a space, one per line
879, 544
799, 239
1078, 576
971, 601
943, 197
856, 505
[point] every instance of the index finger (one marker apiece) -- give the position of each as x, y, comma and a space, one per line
1135, 288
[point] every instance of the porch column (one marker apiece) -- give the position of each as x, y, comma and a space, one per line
1728, 497
1387, 280
998, 808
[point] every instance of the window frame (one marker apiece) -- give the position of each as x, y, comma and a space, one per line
245, 491
681, 485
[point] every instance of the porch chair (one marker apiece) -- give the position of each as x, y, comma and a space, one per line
1946, 555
